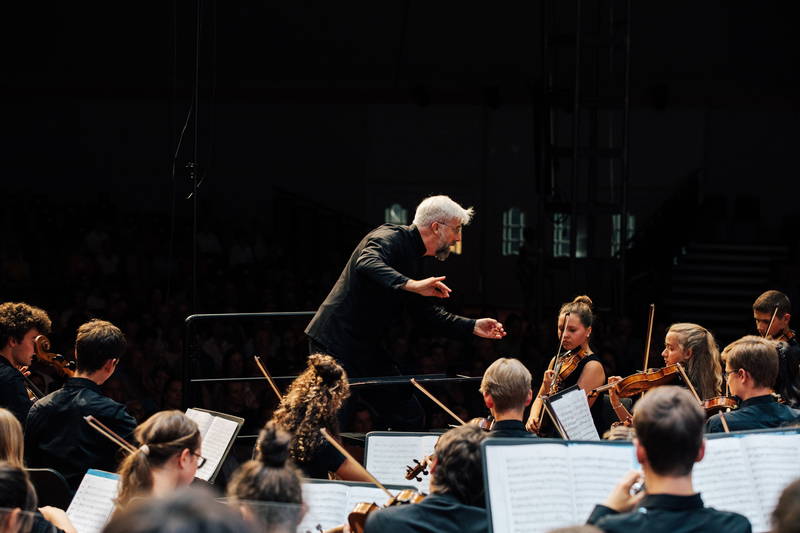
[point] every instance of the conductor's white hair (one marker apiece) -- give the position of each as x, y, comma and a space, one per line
440, 209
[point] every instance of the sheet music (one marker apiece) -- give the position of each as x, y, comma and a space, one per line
774, 464
388, 456
327, 506
596, 469
202, 419
366, 494
527, 488
94, 501
572, 410
215, 443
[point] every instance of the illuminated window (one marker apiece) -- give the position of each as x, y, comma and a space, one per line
395, 214
616, 232
513, 231
562, 226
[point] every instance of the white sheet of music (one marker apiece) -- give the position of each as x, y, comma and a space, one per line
327, 506
388, 456
572, 410
540, 487
595, 471
330, 503
93, 503
217, 433
746, 474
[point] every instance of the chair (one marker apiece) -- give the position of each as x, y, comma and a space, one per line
51, 487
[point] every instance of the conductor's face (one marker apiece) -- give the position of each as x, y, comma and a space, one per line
448, 234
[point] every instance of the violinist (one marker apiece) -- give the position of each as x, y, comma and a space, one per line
669, 440
168, 457
589, 373
776, 303
751, 366
455, 504
693, 347
20, 323
270, 477
56, 435
313, 401
506, 389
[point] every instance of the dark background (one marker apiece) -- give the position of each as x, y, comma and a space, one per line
312, 118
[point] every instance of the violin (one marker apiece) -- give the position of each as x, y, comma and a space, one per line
486, 424
357, 518
568, 364
419, 469
719, 403
641, 381
41, 347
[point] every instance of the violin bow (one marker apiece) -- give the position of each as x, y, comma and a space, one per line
109, 434
263, 369
557, 361
344, 452
771, 320
689, 383
437, 402
649, 335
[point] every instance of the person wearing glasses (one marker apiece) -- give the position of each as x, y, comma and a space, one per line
751, 367
382, 278
56, 434
168, 457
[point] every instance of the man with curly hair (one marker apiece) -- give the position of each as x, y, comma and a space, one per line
20, 323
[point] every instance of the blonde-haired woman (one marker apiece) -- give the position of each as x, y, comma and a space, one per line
168, 457
12, 442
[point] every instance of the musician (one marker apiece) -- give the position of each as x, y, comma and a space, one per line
312, 402
12, 471
56, 434
695, 349
787, 383
168, 457
455, 504
380, 280
20, 323
506, 389
751, 366
589, 373
669, 428
270, 477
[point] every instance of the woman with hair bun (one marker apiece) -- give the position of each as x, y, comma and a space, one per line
589, 373
168, 457
270, 477
311, 403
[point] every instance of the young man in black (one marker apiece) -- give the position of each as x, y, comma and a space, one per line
56, 434
669, 440
20, 323
506, 389
751, 366
787, 383
455, 504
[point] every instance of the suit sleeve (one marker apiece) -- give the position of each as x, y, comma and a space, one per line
374, 262
436, 317
713, 425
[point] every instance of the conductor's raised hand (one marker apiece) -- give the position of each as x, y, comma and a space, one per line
429, 287
489, 328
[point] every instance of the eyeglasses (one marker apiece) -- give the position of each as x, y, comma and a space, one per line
200, 459
456, 229
729, 373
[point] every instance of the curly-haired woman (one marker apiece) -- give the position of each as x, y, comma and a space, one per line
311, 403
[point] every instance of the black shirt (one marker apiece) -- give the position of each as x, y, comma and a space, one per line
438, 513
368, 297
326, 459
754, 413
13, 394
512, 429
57, 436
668, 513
788, 382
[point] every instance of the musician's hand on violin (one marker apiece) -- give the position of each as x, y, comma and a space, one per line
489, 328
614, 379
547, 379
620, 498
25, 371
429, 287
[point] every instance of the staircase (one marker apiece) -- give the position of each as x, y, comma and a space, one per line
715, 285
